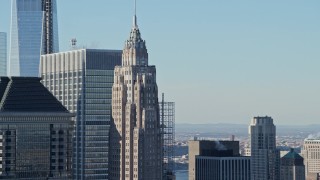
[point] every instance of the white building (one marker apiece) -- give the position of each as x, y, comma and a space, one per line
311, 154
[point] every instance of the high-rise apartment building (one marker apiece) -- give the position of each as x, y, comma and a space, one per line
265, 158
34, 31
82, 80
292, 167
311, 155
35, 131
217, 160
136, 137
3, 54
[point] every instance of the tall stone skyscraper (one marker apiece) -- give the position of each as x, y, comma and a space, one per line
34, 31
136, 145
265, 158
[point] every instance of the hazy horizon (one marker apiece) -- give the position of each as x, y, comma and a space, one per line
220, 61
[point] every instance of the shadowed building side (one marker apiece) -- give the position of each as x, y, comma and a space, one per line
292, 167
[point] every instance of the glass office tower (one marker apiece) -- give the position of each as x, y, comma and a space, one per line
3, 54
34, 31
82, 80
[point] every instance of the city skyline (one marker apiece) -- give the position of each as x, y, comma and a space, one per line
256, 58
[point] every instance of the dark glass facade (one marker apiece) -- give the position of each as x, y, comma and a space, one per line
35, 132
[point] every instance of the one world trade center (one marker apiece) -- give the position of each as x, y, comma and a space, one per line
34, 31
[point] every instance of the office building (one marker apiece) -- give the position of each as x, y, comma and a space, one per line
34, 31
3, 54
292, 167
35, 132
311, 155
265, 158
82, 80
209, 148
136, 136
217, 160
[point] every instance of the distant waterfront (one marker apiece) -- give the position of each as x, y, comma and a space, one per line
182, 175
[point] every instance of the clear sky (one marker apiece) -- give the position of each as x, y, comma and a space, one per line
221, 61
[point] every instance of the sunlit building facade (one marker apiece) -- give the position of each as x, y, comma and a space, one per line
136, 145
82, 80
311, 155
34, 31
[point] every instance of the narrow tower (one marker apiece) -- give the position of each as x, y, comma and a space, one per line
136, 148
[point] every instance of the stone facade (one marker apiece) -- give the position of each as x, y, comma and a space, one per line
136, 146
311, 156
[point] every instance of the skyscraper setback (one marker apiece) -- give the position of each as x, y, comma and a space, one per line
136, 147
34, 31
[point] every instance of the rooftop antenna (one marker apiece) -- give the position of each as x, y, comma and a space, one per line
135, 7
135, 14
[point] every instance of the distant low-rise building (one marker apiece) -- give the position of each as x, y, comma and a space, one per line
35, 132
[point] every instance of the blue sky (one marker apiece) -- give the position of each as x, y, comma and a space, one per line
220, 61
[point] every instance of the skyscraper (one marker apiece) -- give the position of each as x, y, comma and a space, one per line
34, 31
82, 81
136, 147
292, 167
3, 54
311, 154
265, 158
35, 131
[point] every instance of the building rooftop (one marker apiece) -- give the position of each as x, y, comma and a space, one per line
27, 94
292, 155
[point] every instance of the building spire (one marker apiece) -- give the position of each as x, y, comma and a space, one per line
135, 25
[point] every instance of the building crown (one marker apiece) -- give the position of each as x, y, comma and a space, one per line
135, 50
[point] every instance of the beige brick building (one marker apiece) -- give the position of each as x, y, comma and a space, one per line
311, 155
